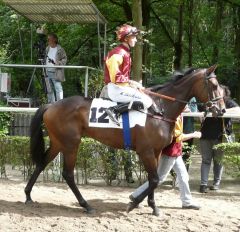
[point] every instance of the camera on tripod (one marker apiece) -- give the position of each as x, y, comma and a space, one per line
40, 45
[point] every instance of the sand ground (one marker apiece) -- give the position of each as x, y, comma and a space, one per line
55, 208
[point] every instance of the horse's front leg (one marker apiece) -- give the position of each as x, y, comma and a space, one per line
150, 163
152, 204
151, 201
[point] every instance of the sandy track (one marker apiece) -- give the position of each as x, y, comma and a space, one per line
55, 209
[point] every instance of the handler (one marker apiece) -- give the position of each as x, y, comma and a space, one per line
172, 159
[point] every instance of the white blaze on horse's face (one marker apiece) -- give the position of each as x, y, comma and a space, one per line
215, 94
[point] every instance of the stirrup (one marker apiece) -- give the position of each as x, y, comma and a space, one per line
111, 114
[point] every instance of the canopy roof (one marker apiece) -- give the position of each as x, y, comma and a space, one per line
58, 11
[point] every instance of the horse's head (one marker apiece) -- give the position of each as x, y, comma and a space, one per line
210, 92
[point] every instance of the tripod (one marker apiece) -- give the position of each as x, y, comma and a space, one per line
45, 80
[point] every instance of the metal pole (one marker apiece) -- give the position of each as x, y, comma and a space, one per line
43, 66
105, 40
86, 83
31, 43
99, 45
20, 38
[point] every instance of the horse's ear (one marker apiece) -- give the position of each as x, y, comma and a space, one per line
211, 69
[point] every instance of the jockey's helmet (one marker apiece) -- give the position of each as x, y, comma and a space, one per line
126, 30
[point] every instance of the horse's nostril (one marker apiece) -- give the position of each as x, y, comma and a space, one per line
223, 111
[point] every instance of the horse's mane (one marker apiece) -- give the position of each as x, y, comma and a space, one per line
177, 75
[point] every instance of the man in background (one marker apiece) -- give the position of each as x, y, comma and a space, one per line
212, 134
55, 55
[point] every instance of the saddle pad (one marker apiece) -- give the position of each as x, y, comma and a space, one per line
99, 118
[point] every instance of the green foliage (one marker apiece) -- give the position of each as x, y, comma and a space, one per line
191, 150
81, 42
94, 161
4, 123
5, 120
15, 151
95, 83
231, 158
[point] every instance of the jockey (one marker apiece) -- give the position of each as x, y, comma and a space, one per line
117, 76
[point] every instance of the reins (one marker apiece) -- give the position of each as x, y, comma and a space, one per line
209, 104
164, 96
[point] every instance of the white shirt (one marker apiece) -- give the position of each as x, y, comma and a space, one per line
52, 55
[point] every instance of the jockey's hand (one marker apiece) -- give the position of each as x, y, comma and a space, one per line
135, 84
142, 90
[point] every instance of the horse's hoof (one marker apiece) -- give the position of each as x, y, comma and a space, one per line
27, 202
90, 210
156, 212
131, 206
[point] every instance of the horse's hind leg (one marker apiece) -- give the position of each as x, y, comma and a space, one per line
31, 182
68, 175
51, 153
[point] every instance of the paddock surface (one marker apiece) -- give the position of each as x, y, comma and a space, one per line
55, 209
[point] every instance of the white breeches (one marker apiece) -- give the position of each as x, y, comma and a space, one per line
125, 94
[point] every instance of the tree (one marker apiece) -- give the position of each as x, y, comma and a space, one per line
137, 53
236, 10
176, 43
218, 24
183, 33
190, 8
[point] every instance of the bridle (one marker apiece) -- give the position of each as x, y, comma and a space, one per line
209, 104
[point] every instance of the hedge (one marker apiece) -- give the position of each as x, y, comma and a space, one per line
231, 158
95, 161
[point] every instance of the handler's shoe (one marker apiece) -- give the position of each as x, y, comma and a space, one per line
214, 187
133, 199
203, 189
192, 206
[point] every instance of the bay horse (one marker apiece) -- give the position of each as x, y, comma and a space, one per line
66, 122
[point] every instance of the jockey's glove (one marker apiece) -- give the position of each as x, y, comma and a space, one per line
135, 84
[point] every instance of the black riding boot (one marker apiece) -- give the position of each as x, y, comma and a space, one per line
154, 109
114, 112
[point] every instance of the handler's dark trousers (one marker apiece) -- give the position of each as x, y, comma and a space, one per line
209, 154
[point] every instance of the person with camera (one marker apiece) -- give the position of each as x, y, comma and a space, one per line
55, 55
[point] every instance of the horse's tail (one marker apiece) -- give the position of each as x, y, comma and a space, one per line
37, 145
